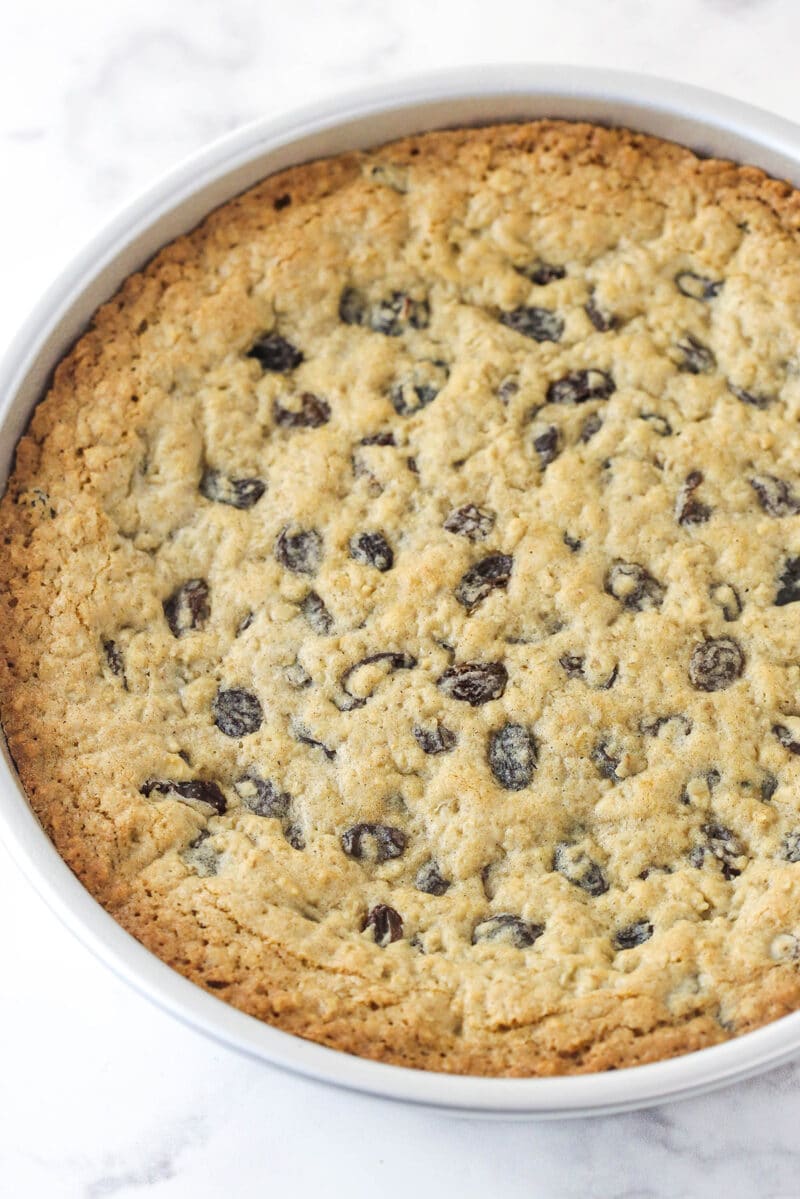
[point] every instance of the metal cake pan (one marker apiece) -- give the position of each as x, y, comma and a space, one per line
707, 122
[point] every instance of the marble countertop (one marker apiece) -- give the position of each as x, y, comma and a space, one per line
101, 1094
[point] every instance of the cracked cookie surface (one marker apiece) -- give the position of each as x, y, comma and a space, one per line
400, 598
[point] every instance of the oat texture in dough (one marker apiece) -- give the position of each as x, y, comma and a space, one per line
399, 601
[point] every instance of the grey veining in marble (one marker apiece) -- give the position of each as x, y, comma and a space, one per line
101, 1095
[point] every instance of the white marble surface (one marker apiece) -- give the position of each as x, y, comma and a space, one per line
100, 1094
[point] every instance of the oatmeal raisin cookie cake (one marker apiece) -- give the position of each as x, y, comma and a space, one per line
399, 601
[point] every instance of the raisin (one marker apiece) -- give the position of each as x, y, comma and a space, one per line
299, 552
790, 847
540, 324
696, 358
610, 681
578, 868
201, 857
391, 316
188, 607
262, 797
603, 322
490, 574
378, 439
302, 734
371, 549
775, 496
572, 665
697, 287
394, 661
593, 424
386, 924
546, 445
352, 307
374, 842
281, 202
508, 930
487, 881
579, 386
420, 387
789, 590
541, 273
725, 846
512, 756
715, 664
573, 544
429, 879
471, 522
313, 412
195, 791
633, 934
437, 740
750, 397
634, 587
316, 614
475, 683
275, 353
507, 390
398, 313
788, 739
114, 658
713, 778
658, 423
244, 623
294, 836
652, 727
688, 510
237, 493
606, 761
726, 597
237, 713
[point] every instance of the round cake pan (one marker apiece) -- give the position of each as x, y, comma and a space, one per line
710, 124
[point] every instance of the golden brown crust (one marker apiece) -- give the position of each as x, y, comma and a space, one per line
653, 803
